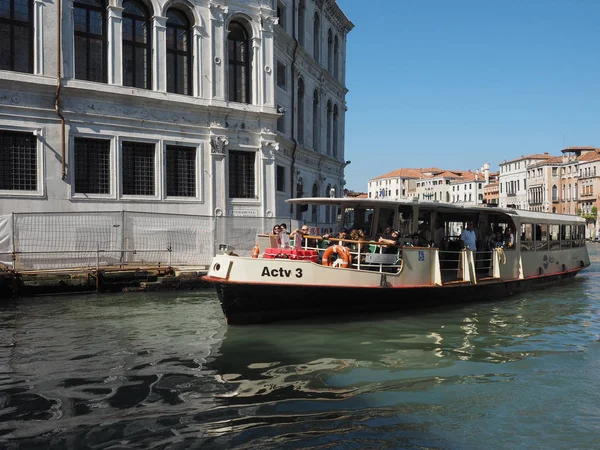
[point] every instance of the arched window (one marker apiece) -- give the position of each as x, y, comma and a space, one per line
569, 193
315, 118
90, 40
575, 193
554, 193
301, 111
315, 208
330, 51
16, 35
238, 49
329, 126
336, 58
136, 45
335, 131
316, 37
179, 53
301, 15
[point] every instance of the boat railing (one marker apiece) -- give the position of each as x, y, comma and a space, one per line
366, 255
375, 256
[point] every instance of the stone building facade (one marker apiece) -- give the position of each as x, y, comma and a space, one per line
162, 106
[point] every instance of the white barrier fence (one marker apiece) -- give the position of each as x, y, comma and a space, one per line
36, 241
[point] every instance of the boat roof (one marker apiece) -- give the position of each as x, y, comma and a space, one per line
521, 214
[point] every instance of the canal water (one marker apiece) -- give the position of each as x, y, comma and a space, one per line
163, 371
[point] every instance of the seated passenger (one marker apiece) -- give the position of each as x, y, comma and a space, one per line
342, 234
391, 242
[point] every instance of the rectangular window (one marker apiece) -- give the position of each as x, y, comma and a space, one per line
281, 178
541, 237
241, 174
554, 237
181, 171
281, 119
281, 72
281, 14
92, 166
565, 236
138, 168
18, 161
527, 237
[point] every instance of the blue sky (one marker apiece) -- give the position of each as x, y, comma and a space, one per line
454, 84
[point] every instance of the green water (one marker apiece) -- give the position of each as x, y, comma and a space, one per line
164, 371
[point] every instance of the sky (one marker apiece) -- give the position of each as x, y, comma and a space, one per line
456, 84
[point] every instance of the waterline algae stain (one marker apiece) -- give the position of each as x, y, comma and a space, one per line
164, 371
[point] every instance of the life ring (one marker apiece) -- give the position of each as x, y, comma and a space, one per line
342, 253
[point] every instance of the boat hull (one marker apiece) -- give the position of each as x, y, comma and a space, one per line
246, 303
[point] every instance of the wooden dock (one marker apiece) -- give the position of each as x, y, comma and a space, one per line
105, 279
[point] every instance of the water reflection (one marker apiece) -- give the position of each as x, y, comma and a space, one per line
163, 371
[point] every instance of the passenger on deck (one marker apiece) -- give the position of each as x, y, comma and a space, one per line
276, 230
391, 242
509, 237
342, 234
468, 237
298, 235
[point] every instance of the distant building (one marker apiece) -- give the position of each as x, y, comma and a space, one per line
513, 181
431, 184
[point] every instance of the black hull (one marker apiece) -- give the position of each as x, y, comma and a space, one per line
261, 303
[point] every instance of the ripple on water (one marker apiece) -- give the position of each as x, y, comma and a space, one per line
163, 371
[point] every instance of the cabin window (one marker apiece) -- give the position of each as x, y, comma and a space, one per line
541, 237
565, 236
554, 237
527, 237
576, 235
359, 218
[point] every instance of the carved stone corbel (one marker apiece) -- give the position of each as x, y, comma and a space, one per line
218, 145
269, 148
267, 23
218, 12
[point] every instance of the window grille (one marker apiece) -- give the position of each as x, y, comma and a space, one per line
90, 40
181, 171
92, 166
138, 169
241, 174
18, 161
16, 35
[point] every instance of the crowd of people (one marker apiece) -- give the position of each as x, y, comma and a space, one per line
390, 239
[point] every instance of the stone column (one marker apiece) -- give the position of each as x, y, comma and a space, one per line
218, 153
198, 54
217, 78
268, 80
159, 55
38, 37
269, 175
257, 73
114, 43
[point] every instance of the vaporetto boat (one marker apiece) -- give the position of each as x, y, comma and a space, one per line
539, 250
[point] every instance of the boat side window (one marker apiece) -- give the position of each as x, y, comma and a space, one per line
554, 237
578, 235
405, 220
541, 237
565, 236
527, 237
